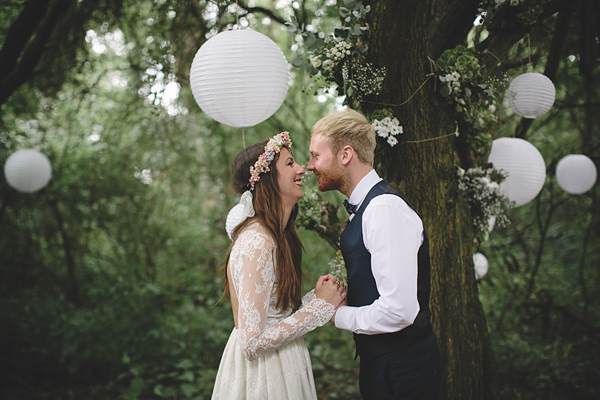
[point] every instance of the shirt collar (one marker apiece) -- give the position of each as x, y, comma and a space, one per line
364, 186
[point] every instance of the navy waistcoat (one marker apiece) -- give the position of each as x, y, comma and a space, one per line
362, 289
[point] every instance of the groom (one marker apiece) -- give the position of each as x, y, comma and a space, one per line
386, 252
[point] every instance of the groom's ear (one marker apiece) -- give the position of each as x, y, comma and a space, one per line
346, 155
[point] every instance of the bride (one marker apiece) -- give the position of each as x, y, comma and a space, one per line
265, 356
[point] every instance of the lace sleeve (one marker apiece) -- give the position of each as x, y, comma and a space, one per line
254, 272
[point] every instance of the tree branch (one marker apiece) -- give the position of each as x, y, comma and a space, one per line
330, 227
20, 33
262, 10
73, 292
23, 64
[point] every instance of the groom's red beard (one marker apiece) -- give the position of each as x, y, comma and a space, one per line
331, 178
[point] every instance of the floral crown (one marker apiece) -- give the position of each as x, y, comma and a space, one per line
262, 164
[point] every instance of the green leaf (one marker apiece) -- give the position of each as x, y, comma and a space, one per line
445, 91
318, 43
350, 3
184, 364
188, 389
187, 376
134, 390
344, 12
341, 32
297, 62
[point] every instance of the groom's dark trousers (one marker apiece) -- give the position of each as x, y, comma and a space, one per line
413, 372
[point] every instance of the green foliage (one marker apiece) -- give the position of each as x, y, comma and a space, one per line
475, 95
310, 207
339, 58
511, 12
541, 294
112, 274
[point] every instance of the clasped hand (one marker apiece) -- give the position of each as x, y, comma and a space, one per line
332, 290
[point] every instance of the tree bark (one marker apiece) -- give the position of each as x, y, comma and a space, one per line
403, 37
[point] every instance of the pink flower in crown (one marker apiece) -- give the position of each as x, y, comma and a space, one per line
262, 164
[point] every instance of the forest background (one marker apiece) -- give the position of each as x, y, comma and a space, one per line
112, 274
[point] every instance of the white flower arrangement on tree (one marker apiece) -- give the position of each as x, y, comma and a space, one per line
452, 80
363, 80
466, 84
388, 128
340, 58
481, 189
338, 52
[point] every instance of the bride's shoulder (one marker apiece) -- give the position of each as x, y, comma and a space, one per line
256, 231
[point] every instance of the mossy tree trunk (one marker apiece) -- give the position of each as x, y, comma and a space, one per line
404, 37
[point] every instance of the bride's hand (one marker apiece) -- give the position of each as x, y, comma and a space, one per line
343, 303
331, 290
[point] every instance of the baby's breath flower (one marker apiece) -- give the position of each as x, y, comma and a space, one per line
337, 267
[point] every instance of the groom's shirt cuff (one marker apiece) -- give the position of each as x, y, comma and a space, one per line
342, 318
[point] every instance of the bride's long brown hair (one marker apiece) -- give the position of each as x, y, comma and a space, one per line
268, 208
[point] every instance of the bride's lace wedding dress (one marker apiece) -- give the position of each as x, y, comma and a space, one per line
266, 357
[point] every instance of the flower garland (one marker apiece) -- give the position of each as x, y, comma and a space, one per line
481, 189
273, 147
339, 59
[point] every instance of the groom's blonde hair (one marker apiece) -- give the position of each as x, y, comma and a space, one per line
348, 128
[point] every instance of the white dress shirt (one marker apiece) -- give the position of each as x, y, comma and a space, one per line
392, 233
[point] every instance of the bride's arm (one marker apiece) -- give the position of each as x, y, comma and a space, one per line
256, 283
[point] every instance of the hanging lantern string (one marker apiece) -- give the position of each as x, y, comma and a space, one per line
237, 21
529, 46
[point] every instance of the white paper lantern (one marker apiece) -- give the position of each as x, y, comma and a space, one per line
235, 216
576, 173
481, 265
531, 95
27, 170
523, 164
239, 78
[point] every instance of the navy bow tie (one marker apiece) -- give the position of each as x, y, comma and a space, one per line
351, 208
